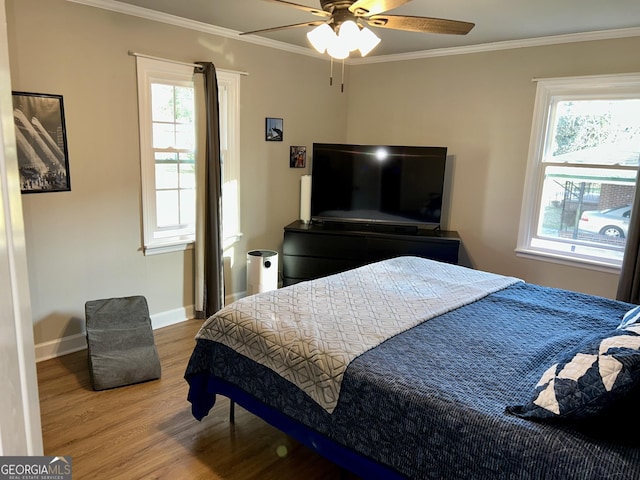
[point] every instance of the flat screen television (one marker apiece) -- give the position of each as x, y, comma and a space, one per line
378, 184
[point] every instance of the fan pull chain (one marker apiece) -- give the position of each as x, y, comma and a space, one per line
331, 74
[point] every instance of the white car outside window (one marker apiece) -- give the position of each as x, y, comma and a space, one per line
613, 222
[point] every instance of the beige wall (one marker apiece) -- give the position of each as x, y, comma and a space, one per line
85, 244
480, 106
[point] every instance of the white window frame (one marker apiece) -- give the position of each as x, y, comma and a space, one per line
548, 90
229, 111
153, 70
157, 71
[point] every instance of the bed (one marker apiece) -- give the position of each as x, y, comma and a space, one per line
411, 368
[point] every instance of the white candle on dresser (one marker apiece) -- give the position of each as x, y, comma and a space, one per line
305, 198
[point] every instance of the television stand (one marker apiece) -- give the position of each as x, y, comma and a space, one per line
320, 249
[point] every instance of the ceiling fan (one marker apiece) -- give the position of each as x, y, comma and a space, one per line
342, 25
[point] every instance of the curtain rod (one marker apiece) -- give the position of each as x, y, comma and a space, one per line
187, 64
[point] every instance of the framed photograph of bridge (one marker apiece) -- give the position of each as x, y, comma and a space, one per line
41, 141
274, 130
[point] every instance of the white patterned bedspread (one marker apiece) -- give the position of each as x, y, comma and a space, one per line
310, 332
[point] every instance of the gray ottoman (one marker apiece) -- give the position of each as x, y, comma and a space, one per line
120, 342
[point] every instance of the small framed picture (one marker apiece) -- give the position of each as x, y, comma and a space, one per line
297, 157
273, 130
41, 141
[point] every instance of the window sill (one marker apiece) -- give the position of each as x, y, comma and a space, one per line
181, 245
230, 241
168, 247
550, 257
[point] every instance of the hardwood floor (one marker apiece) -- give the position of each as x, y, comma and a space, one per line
146, 431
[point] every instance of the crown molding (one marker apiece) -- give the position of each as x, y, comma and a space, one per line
174, 20
506, 45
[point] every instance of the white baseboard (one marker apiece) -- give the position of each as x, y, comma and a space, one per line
61, 346
171, 317
74, 343
229, 299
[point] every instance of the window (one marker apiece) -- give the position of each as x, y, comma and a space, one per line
168, 150
581, 172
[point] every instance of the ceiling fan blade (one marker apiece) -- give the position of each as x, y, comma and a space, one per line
295, 25
420, 24
314, 11
373, 7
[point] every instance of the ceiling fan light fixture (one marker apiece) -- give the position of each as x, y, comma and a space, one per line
349, 35
321, 37
367, 41
345, 19
337, 49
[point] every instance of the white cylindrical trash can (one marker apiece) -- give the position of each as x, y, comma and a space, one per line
262, 271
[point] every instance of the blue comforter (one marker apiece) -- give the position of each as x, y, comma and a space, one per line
430, 402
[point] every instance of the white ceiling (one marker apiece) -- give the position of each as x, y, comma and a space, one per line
496, 20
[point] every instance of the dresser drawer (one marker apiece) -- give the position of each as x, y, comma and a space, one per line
306, 268
323, 245
444, 250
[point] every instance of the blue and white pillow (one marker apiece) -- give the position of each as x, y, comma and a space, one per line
589, 379
630, 318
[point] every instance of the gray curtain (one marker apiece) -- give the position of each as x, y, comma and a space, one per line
213, 266
629, 282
